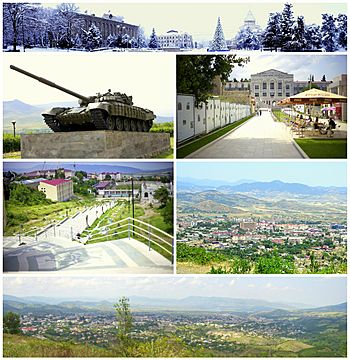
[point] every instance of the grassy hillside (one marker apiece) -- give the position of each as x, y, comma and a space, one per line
24, 346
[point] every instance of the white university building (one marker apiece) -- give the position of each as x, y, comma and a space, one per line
175, 40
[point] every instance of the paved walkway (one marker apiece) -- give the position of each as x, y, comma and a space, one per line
123, 256
54, 250
258, 138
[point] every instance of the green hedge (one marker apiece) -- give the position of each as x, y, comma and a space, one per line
167, 127
11, 143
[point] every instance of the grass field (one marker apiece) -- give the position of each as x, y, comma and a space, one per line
12, 155
191, 147
323, 149
99, 231
24, 218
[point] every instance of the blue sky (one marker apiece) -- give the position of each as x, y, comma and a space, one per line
100, 166
315, 291
301, 66
320, 173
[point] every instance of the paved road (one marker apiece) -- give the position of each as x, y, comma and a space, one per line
258, 138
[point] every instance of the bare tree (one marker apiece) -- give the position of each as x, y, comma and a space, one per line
14, 17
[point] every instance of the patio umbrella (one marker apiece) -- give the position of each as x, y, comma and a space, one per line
314, 97
329, 108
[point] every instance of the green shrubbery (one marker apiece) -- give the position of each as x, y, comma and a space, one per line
197, 255
11, 143
166, 127
23, 195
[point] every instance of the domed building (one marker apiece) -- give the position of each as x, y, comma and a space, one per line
250, 23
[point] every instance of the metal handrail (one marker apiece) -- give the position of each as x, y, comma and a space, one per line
131, 230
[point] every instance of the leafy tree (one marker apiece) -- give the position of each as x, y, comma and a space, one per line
329, 33
81, 174
23, 195
12, 323
342, 26
219, 42
274, 264
272, 35
323, 78
195, 73
153, 41
162, 195
168, 212
125, 324
59, 174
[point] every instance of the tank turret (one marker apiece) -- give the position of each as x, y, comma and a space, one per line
108, 111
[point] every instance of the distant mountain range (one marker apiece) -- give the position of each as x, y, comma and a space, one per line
192, 303
248, 186
261, 199
90, 168
28, 117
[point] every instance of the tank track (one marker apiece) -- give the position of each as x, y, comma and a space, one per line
98, 119
53, 124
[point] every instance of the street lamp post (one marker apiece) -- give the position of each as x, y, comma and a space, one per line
14, 128
132, 202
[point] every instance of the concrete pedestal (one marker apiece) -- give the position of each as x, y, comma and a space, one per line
101, 144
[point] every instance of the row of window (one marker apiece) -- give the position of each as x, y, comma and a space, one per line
272, 86
272, 94
106, 28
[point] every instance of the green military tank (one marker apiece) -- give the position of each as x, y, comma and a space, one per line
108, 111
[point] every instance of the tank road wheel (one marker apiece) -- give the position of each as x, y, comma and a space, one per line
139, 125
133, 124
102, 120
110, 122
146, 125
126, 123
119, 124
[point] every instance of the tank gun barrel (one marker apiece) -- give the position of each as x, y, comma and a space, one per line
50, 83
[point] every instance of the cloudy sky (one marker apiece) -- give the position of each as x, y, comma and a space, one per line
301, 66
200, 18
316, 291
313, 173
148, 77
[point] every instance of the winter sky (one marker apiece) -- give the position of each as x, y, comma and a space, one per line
200, 18
312, 173
314, 291
301, 66
148, 77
